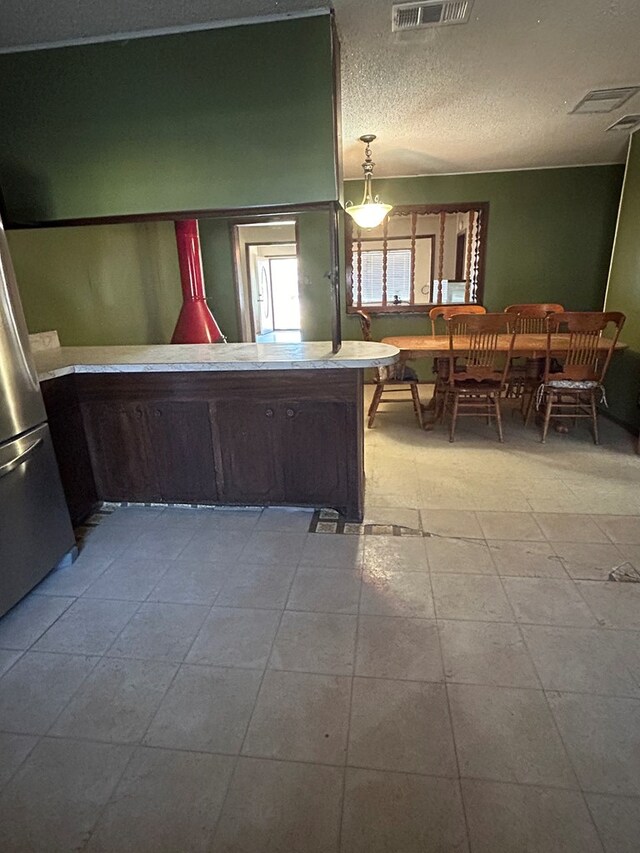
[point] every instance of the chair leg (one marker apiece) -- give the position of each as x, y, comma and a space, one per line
441, 403
375, 402
529, 407
496, 403
594, 417
547, 416
417, 407
454, 418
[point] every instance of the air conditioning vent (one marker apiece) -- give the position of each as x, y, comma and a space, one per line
429, 13
605, 100
627, 123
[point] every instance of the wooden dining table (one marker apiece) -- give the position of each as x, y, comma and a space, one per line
526, 345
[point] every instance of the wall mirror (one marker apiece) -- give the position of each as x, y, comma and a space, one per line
420, 256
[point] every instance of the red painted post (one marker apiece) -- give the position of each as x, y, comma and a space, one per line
196, 324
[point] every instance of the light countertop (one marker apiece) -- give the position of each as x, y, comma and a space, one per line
52, 361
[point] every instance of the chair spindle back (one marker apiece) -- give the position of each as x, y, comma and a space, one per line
446, 312
531, 318
482, 358
584, 359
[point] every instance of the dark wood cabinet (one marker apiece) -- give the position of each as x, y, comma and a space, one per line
249, 469
70, 445
272, 437
121, 451
316, 464
179, 436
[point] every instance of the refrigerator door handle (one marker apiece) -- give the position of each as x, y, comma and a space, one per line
12, 464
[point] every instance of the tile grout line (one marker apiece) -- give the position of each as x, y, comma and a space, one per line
140, 743
239, 754
350, 708
450, 716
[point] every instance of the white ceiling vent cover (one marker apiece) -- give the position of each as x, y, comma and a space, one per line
429, 13
629, 122
605, 100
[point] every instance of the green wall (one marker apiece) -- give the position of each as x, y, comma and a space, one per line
219, 119
623, 294
549, 236
103, 284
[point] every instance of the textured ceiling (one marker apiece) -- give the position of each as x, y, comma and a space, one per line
491, 94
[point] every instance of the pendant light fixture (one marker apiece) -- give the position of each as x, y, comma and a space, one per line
370, 212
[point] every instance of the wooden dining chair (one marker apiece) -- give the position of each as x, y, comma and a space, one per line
445, 312
478, 370
524, 378
395, 379
441, 365
533, 315
572, 381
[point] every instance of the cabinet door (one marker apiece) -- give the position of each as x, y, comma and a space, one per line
182, 450
118, 439
249, 451
316, 458
74, 463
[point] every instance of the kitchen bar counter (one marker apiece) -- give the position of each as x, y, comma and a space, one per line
250, 424
170, 358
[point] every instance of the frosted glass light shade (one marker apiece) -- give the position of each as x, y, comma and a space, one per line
369, 214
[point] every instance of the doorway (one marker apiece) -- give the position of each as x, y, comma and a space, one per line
267, 281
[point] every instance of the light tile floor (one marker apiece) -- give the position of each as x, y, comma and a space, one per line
221, 680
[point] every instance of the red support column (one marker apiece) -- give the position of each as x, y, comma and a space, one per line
196, 324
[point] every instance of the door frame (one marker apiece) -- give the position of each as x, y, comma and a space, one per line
244, 304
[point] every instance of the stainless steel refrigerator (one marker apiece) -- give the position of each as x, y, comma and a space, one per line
35, 529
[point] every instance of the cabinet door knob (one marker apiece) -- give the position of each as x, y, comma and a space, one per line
290, 413
269, 413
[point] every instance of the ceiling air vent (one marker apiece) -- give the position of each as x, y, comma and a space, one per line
605, 100
429, 13
628, 123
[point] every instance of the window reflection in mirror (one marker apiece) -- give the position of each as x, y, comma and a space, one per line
420, 256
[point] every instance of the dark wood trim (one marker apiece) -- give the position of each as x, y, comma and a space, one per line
334, 278
337, 106
236, 257
238, 213
407, 210
389, 239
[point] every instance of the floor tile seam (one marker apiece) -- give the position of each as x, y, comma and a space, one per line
569, 758
320, 612
73, 695
524, 622
520, 632
173, 678
150, 658
139, 745
264, 672
450, 719
241, 745
41, 635
87, 596
351, 686
5, 785
617, 796
110, 561
127, 623
586, 603
102, 809
594, 823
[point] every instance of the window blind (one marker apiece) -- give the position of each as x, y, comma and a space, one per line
398, 275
